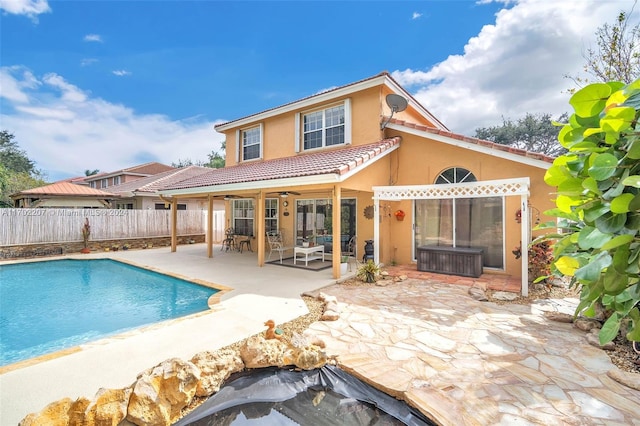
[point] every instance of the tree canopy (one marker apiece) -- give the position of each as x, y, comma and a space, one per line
534, 132
12, 157
215, 160
17, 171
616, 56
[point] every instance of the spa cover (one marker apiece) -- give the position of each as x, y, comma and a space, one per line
325, 396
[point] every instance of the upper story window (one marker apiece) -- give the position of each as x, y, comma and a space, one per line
104, 183
92, 184
116, 180
249, 143
324, 128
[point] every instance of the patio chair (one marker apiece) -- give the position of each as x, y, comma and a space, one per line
229, 242
351, 250
276, 243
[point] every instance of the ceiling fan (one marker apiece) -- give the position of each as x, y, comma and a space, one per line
285, 194
229, 197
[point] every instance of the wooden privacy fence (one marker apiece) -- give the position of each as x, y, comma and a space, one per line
32, 226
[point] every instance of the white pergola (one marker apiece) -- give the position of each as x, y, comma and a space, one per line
483, 189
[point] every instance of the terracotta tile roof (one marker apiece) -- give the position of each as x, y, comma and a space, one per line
481, 142
141, 169
66, 189
338, 161
148, 168
151, 184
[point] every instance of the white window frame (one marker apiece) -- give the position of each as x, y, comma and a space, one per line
300, 131
238, 208
104, 183
116, 180
272, 213
240, 143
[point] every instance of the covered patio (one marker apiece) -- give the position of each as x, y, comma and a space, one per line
264, 197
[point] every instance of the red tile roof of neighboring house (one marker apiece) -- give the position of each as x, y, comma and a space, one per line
153, 183
145, 169
338, 161
148, 168
481, 142
66, 189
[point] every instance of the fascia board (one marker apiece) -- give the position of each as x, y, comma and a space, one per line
473, 147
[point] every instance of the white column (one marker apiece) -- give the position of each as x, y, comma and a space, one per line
524, 234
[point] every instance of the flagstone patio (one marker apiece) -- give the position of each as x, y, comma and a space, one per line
464, 362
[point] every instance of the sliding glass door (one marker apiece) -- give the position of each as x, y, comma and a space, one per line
314, 220
464, 222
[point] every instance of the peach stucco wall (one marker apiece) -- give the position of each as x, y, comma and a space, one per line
279, 132
421, 160
417, 161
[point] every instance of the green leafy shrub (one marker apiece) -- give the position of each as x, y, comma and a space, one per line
540, 259
598, 204
368, 272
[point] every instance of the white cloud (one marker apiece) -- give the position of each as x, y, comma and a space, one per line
416, 15
88, 61
66, 130
30, 8
512, 67
13, 89
93, 37
121, 73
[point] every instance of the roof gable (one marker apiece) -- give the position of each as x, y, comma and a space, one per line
382, 79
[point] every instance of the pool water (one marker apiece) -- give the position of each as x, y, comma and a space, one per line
51, 305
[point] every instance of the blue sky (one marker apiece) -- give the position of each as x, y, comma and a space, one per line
109, 84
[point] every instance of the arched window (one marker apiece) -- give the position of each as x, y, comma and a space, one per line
462, 222
455, 175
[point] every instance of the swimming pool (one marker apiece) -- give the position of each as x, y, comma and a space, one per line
51, 305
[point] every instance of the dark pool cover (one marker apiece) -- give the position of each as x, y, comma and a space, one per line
326, 396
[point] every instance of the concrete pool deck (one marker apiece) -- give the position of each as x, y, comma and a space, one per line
465, 362
256, 294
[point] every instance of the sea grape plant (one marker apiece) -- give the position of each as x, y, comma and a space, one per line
598, 204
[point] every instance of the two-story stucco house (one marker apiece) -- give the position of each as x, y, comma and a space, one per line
400, 177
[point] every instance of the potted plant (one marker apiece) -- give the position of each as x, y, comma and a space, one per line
399, 214
344, 264
126, 246
86, 232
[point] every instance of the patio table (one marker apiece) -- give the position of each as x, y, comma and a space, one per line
310, 253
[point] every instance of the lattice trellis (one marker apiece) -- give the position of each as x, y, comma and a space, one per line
488, 188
